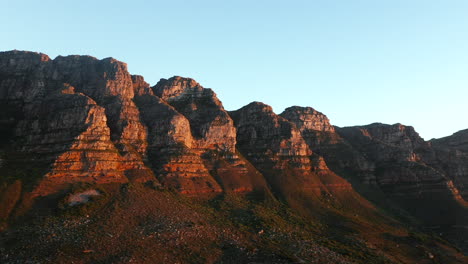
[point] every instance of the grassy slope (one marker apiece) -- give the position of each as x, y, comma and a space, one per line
140, 224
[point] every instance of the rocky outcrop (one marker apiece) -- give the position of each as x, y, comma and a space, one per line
275, 146
210, 141
452, 158
70, 129
86, 119
75, 113
211, 125
308, 119
321, 136
22, 80
393, 157
108, 82
407, 170
90, 120
170, 145
402, 158
396, 169
80, 119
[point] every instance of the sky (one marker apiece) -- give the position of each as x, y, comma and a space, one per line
357, 61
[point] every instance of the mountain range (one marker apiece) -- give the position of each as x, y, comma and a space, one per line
98, 166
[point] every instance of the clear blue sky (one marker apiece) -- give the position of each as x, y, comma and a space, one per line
356, 61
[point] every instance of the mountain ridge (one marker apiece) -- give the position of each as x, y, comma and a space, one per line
78, 119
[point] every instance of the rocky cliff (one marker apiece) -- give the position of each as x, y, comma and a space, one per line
80, 119
452, 157
75, 114
85, 119
90, 120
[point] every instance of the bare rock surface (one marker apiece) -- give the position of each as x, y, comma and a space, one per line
452, 157
276, 147
80, 119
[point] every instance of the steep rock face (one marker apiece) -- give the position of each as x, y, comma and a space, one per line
74, 126
108, 82
322, 138
261, 129
211, 125
74, 113
21, 81
170, 144
89, 119
407, 171
275, 146
77, 118
393, 142
308, 119
401, 157
393, 159
96, 131
212, 136
452, 156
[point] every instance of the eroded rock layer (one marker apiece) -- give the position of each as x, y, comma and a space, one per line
79, 119
75, 113
276, 147
211, 139
339, 154
84, 119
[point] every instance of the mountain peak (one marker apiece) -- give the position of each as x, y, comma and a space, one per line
308, 118
175, 86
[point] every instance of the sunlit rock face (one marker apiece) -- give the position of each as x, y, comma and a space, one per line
85, 119
72, 129
90, 120
307, 118
426, 178
261, 132
170, 144
76, 114
211, 125
210, 144
80, 119
276, 147
323, 139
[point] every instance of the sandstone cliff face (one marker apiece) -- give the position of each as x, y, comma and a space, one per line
90, 120
393, 157
108, 82
212, 145
322, 138
170, 145
408, 171
80, 119
307, 119
402, 159
70, 128
211, 125
275, 146
75, 113
395, 168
